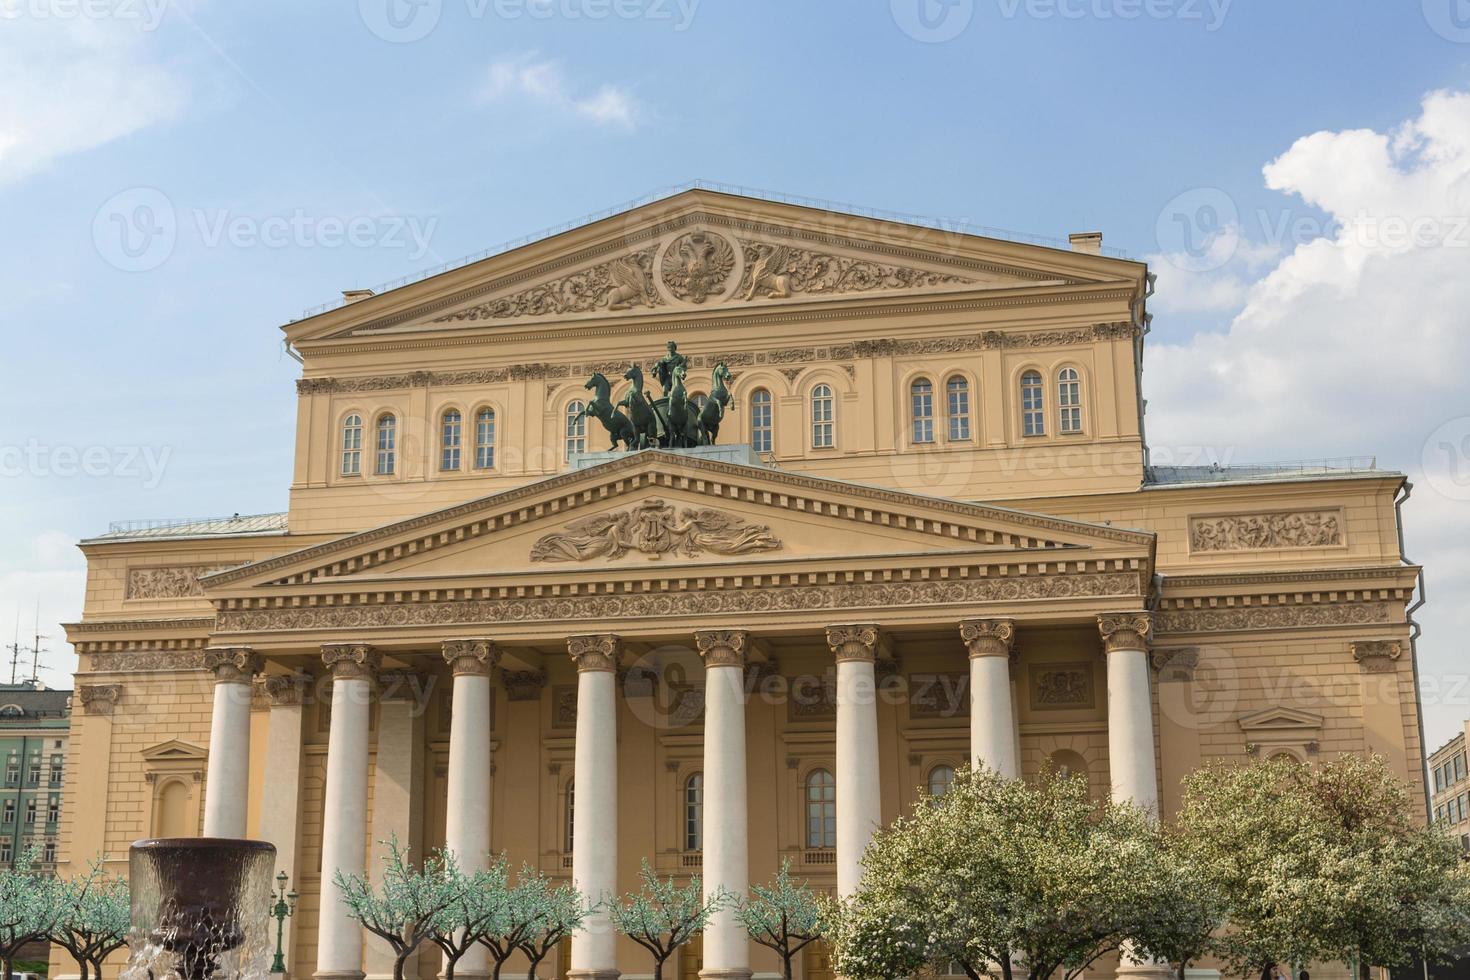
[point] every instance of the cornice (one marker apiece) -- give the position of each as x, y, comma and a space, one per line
660, 469
137, 625
1277, 613
1206, 580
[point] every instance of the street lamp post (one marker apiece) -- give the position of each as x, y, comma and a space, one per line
282, 909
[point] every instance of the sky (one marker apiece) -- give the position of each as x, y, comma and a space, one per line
180, 177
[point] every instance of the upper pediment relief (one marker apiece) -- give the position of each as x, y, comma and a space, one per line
708, 267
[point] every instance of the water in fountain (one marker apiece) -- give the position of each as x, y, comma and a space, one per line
200, 909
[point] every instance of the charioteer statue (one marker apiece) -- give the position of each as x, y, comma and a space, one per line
672, 421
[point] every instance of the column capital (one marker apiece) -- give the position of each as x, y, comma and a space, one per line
1125, 631
232, 665
348, 660
285, 689
595, 651
854, 641
1176, 663
475, 656
988, 637
1376, 656
722, 648
523, 685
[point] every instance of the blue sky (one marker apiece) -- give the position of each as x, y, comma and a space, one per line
263, 157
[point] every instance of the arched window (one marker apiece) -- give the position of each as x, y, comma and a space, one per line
1069, 400
921, 401
761, 429
485, 439
823, 409
451, 436
940, 779
694, 812
387, 445
699, 400
957, 408
576, 441
1033, 416
821, 809
352, 445
571, 814
1065, 764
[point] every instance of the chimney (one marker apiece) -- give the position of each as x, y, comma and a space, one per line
1089, 242
354, 295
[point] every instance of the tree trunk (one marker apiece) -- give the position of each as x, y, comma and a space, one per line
1365, 970
658, 969
398, 964
786, 958
1005, 966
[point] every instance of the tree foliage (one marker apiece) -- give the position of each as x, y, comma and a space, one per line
662, 916
405, 906
94, 918
30, 906
558, 911
999, 872
783, 916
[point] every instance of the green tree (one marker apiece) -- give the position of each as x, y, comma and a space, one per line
405, 906
662, 916
783, 916
513, 919
30, 905
474, 900
560, 911
998, 872
94, 919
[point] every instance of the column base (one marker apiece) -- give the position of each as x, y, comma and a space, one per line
339, 975
464, 975
715, 974
1145, 971
582, 974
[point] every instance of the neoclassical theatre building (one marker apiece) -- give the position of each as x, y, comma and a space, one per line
926, 533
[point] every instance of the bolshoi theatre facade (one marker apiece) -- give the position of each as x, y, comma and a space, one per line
883, 508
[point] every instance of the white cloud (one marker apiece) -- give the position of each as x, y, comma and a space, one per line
43, 574
1355, 342
78, 76
1215, 281
544, 83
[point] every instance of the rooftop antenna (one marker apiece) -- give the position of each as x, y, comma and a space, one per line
15, 647
36, 650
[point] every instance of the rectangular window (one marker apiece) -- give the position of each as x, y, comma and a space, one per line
48, 854
760, 421
10, 811
449, 449
387, 446
30, 811
959, 412
33, 773
352, 446
53, 811
12, 773
485, 441
1460, 766
822, 416
1069, 402
6, 854
922, 398
1033, 416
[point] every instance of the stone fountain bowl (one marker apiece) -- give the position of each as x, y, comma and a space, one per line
200, 906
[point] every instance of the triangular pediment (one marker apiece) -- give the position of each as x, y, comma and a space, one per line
702, 252
656, 512
175, 750
1280, 719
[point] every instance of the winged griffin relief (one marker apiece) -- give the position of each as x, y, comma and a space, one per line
622, 284
655, 529
776, 271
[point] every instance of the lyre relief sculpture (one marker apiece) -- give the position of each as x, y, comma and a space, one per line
654, 529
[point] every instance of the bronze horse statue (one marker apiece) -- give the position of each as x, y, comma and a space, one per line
618, 427
719, 400
640, 411
684, 427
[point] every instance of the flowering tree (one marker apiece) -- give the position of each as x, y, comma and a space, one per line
94, 918
513, 919
782, 916
474, 900
30, 905
998, 872
404, 908
661, 916
559, 912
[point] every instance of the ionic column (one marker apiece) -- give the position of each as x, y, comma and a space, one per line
726, 843
1131, 761
228, 782
595, 781
992, 710
354, 668
859, 811
467, 824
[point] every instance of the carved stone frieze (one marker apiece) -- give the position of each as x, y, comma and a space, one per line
623, 283
698, 265
1271, 617
146, 660
167, 581
988, 637
596, 651
232, 665
1129, 631
722, 648
777, 271
1377, 656
853, 641
473, 656
654, 528
1259, 532
99, 699
523, 685
939, 695
683, 604
1062, 687
350, 660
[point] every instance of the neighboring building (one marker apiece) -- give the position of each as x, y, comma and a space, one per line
1449, 788
933, 479
34, 725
